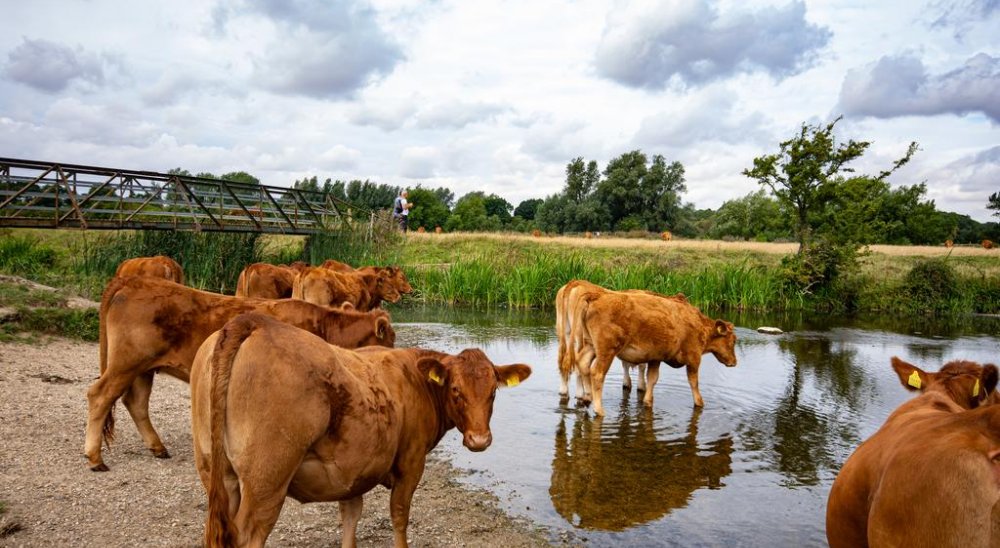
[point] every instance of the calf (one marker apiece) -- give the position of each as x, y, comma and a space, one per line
159, 266
395, 273
930, 476
328, 424
149, 325
639, 327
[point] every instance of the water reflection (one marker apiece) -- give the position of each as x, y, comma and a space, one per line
611, 474
804, 430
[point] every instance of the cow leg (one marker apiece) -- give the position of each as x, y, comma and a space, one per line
597, 373
652, 375
626, 377
583, 368
101, 397
399, 504
350, 513
136, 400
642, 376
692, 373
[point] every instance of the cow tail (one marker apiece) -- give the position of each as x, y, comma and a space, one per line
565, 369
243, 283
115, 285
220, 530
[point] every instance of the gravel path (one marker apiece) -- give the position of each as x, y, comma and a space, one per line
54, 500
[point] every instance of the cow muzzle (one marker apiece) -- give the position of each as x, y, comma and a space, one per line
477, 442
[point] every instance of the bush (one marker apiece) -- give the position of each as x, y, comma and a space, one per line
817, 268
25, 255
932, 285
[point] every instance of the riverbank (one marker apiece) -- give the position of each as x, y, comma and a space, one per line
48, 496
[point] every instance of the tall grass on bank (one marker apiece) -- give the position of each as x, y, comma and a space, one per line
375, 243
211, 261
487, 281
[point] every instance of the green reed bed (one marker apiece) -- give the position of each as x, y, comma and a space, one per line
490, 281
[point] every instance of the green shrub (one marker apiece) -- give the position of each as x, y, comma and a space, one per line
24, 255
816, 269
932, 285
74, 323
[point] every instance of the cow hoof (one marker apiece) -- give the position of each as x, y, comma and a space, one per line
162, 454
626, 388
100, 468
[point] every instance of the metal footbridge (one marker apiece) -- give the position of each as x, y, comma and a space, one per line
36, 194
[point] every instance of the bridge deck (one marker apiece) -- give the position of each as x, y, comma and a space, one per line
52, 195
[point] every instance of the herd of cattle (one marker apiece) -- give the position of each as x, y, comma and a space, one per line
297, 391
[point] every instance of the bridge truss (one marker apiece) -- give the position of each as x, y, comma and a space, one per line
54, 195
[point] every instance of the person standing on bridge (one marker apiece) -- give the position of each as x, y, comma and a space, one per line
401, 210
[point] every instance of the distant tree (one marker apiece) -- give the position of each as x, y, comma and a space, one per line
802, 174
994, 204
527, 209
469, 214
755, 216
371, 195
240, 177
428, 210
446, 196
498, 207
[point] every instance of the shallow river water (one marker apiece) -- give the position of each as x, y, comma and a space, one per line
753, 468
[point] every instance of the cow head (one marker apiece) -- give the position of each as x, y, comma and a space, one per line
722, 342
469, 383
399, 279
385, 286
966, 383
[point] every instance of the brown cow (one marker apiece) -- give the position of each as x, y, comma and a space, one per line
266, 281
930, 476
159, 266
570, 339
362, 290
638, 327
987, 244
149, 325
328, 424
396, 273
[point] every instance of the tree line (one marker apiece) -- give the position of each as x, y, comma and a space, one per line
808, 191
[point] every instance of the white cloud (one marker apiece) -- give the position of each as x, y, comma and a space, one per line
900, 86
418, 162
52, 67
690, 42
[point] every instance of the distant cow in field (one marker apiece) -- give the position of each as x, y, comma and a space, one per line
437, 230
536, 233
148, 325
328, 424
987, 244
930, 475
159, 266
267, 281
666, 236
638, 327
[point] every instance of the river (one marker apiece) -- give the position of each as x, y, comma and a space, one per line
752, 468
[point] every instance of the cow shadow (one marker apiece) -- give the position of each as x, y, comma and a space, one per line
612, 474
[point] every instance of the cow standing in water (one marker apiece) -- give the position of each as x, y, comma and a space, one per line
278, 412
639, 327
930, 476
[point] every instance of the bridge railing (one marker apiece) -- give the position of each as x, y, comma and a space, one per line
54, 195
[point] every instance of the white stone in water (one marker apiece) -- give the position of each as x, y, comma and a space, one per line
769, 330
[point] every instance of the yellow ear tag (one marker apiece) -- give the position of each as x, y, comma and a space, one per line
975, 389
914, 380
434, 377
513, 380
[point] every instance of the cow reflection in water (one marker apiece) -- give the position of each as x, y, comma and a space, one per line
614, 476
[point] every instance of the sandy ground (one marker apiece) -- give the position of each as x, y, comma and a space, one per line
716, 245
56, 501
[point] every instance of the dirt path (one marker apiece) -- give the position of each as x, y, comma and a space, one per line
56, 501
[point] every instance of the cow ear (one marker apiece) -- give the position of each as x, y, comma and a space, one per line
912, 377
721, 327
512, 375
348, 305
381, 327
990, 377
433, 370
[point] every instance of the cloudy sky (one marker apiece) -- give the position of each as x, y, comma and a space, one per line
500, 95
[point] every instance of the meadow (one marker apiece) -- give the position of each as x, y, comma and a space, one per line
521, 271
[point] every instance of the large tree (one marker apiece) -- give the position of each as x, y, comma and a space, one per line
428, 210
803, 174
526, 209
